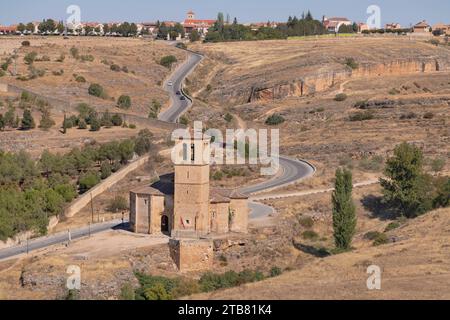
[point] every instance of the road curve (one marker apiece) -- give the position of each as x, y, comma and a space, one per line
291, 171
178, 107
62, 237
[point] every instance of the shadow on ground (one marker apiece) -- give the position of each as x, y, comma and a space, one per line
378, 208
312, 250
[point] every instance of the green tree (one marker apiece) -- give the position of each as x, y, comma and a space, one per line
168, 61
105, 170
27, 120
407, 189
106, 120
126, 150
95, 124
88, 181
143, 143
194, 36
344, 217
46, 120
96, 90
117, 120
124, 102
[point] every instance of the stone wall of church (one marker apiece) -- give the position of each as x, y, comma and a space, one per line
239, 217
220, 213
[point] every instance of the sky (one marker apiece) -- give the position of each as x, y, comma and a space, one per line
402, 11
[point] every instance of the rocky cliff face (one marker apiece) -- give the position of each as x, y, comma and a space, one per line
323, 81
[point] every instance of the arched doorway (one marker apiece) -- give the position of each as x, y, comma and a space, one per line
164, 224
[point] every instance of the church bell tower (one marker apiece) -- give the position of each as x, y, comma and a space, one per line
191, 198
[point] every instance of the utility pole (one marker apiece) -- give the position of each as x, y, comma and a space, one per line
92, 208
28, 249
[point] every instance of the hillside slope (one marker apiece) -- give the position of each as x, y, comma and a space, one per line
415, 267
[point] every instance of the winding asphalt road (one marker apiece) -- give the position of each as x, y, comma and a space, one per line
291, 170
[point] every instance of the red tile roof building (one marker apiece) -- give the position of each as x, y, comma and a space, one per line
191, 23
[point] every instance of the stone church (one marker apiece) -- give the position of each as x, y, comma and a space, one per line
183, 205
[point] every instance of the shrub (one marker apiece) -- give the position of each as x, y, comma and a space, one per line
275, 272
80, 79
408, 116
74, 52
184, 120
380, 240
115, 67
127, 292
46, 121
228, 118
27, 120
88, 181
89, 58
392, 226
26, 43
374, 163
2, 73
132, 126
428, 115
218, 175
105, 170
362, 116
61, 58
96, 90
95, 124
340, 97
30, 57
168, 61
350, 62
275, 119
310, 235
117, 120
306, 222
438, 164
82, 125
58, 73
124, 102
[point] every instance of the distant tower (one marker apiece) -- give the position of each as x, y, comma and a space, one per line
191, 15
191, 199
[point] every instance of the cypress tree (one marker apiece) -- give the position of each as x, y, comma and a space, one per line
344, 215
